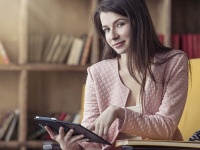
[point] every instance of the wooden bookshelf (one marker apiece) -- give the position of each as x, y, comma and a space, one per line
30, 86
43, 67
37, 88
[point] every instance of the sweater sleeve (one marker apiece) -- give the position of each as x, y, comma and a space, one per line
163, 123
91, 110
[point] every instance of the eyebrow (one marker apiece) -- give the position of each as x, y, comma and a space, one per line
116, 21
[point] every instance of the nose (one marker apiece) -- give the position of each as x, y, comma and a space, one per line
113, 34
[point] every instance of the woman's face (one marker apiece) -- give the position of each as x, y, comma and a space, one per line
117, 31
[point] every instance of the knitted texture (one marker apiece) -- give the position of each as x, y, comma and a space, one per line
162, 103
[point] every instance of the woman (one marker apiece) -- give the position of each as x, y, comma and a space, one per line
140, 87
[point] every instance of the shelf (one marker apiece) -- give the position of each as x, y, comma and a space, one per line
43, 67
12, 144
54, 67
36, 144
29, 144
11, 67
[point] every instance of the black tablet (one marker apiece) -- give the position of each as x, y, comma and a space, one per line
55, 124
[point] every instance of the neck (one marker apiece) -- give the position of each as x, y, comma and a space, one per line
123, 61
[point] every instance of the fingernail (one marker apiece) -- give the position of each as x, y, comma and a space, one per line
82, 135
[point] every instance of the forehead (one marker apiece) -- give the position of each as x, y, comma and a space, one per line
108, 18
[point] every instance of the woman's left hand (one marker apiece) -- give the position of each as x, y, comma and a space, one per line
104, 121
67, 141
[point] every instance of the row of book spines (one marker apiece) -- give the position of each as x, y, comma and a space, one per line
189, 43
60, 48
9, 123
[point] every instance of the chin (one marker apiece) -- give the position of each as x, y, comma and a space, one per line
120, 52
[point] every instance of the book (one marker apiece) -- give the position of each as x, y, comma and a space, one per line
69, 117
175, 41
37, 134
198, 45
6, 124
86, 50
161, 38
3, 116
75, 51
3, 55
47, 46
195, 46
53, 48
189, 46
12, 126
77, 118
184, 43
183, 144
95, 49
59, 49
65, 51
62, 116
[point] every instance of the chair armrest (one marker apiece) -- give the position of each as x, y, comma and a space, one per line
129, 144
155, 148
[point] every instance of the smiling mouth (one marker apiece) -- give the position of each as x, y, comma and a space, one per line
118, 45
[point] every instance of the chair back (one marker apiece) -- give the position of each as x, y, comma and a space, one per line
190, 120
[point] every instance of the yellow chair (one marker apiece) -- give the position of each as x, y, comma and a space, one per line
190, 120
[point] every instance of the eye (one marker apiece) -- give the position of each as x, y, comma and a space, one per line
120, 24
106, 30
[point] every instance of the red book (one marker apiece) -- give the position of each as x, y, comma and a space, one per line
184, 46
175, 41
189, 45
161, 38
62, 116
198, 45
195, 46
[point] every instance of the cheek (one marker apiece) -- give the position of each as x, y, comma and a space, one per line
127, 33
107, 40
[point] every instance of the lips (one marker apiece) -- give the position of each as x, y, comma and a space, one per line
118, 44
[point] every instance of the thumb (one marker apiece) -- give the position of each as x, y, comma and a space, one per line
92, 127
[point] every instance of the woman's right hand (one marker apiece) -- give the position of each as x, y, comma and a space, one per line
66, 140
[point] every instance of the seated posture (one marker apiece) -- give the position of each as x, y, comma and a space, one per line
138, 89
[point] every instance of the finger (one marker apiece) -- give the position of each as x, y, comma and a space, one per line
92, 127
83, 140
61, 132
77, 138
105, 130
101, 131
96, 130
69, 134
51, 133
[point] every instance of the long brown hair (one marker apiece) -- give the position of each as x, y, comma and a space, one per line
144, 40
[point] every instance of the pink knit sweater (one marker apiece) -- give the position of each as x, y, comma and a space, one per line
162, 104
